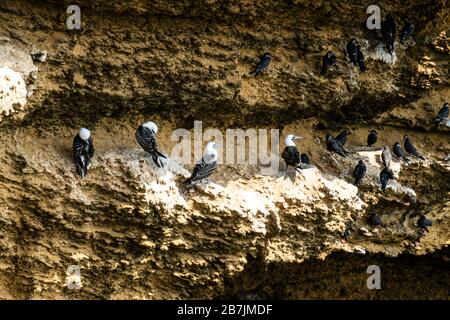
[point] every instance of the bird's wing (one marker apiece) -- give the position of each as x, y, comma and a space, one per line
202, 171
91, 148
146, 139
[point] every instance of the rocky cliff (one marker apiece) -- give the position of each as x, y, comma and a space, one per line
128, 227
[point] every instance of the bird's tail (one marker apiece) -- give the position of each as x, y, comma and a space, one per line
157, 159
81, 166
256, 72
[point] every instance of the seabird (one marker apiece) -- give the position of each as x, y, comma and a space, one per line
388, 30
342, 137
304, 158
386, 156
83, 151
385, 175
263, 64
290, 153
409, 147
424, 223
398, 151
360, 60
205, 167
442, 114
372, 138
334, 146
352, 51
359, 172
407, 31
328, 60
346, 234
145, 136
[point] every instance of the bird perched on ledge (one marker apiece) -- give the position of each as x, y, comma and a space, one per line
205, 167
385, 175
342, 137
327, 61
409, 147
372, 138
145, 137
359, 172
398, 151
442, 114
263, 64
334, 145
290, 154
83, 151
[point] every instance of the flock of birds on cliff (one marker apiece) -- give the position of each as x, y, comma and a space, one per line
83, 148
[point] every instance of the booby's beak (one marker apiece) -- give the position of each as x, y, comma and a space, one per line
297, 138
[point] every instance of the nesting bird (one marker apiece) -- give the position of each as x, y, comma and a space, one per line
263, 64
388, 31
372, 138
352, 51
442, 114
205, 167
398, 151
334, 146
83, 151
145, 137
290, 154
359, 172
407, 31
385, 175
409, 147
328, 60
342, 137
386, 156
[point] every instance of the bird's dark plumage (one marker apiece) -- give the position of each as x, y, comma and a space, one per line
263, 64
372, 138
334, 146
409, 147
291, 156
442, 114
359, 172
388, 31
360, 60
375, 220
398, 151
83, 151
328, 60
304, 158
385, 175
146, 139
202, 170
424, 223
407, 31
342, 137
346, 234
352, 51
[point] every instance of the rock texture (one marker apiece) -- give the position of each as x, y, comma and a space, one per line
128, 226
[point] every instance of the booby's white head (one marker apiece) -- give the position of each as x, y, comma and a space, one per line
151, 125
84, 133
210, 152
289, 141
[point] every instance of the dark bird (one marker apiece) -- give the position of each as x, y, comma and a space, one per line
386, 156
399, 153
372, 138
375, 220
263, 64
342, 137
352, 51
304, 158
360, 60
388, 31
145, 137
334, 146
359, 172
346, 235
290, 154
424, 223
385, 175
442, 114
409, 147
83, 151
407, 31
327, 61
204, 168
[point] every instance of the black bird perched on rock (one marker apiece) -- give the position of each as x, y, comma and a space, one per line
352, 51
145, 137
359, 172
386, 156
263, 64
398, 151
385, 175
304, 158
424, 223
372, 138
204, 168
334, 146
290, 154
83, 151
409, 147
442, 114
342, 137
360, 60
407, 31
328, 60
388, 31
375, 220
346, 235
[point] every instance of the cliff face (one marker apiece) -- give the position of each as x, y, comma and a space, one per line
129, 228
